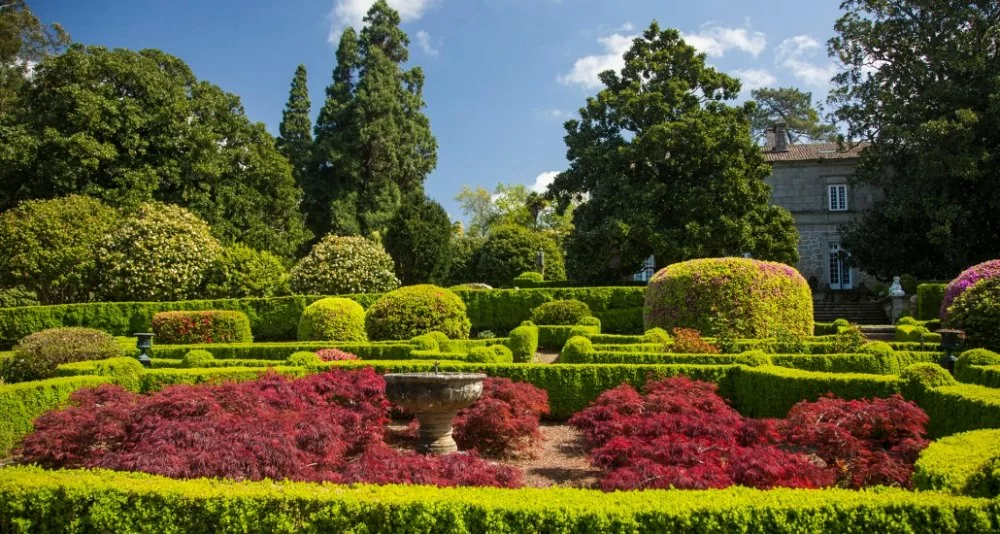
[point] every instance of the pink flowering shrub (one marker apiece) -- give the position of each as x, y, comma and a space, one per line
335, 355
967, 279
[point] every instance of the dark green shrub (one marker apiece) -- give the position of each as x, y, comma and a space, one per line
929, 297
511, 250
560, 312
161, 253
753, 298
414, 310
909, 284
304, 359
50, 248
197, 358
419, 240
977, 311
333, 319
244, 272
523, 343
848, 339
340, 265
37, 356
491, 354
14, 297
211, 326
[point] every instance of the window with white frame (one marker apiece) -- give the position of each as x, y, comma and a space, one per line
838, 197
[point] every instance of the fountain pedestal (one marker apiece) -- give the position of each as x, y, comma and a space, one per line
435, 399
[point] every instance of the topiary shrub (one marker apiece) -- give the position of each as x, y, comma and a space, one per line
244, 272
560, 312
975, 357
908, 321
657, 335
304, 358
977, 311
211, 326
885, 354
491, 354
752, 298
529, 279
965, 280
124, 371
511, 250
590, 321
577, 349
36, 356
333, 319
161, 253
414, 310
920, 377
339, 265
197, 358
50, 247
335, 355
523, 343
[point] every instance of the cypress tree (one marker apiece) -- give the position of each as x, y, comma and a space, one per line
295, 140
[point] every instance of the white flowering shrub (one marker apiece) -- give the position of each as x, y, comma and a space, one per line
161, 253
339, 265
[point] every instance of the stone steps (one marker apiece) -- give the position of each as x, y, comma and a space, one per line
864, 313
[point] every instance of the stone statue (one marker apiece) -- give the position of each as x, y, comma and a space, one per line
896, 290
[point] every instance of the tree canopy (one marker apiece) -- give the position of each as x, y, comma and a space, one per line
795, 110
512, 204
666, 167
24, 41
130, 127
418, 239
373, 143
295, 139
920, 85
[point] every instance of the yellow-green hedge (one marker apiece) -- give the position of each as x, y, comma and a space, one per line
33, 500
769, 391
965, 464
21, 403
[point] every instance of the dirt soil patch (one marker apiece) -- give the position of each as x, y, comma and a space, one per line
559, 461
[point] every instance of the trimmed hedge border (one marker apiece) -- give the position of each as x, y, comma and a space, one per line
32, 499
963, 464
21, 403
784, 387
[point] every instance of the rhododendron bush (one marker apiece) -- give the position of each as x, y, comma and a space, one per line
682, 434
325, 427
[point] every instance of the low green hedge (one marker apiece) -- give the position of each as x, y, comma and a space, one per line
960, 408
208, 326
555, 336
964, 464
35, 500
929, 297
916, 334
157, 379
983, 375
21, 403
770, 391
281, 351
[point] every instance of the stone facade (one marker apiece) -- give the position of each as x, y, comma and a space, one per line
801, 180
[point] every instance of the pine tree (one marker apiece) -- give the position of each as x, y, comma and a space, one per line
373, 144
295, 141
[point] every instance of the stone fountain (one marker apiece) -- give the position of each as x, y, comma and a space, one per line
434, 398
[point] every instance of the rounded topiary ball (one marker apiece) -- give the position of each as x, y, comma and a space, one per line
414, 310
333, 319
968, 278
748, 298
197, 358
560, 312
339, 265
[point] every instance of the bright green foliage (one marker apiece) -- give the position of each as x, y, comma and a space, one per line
794, 109
344, 265
523, 343
295, 140
560, 312
491, 354
528, 279
52, 501
333, 319
978, 366
419, 240
464, 257
919, 378
511, 250
414, 310
960, 407
21, 403
752, 298
977, 311
576, 350
555, 336
197, 358
244, 272
919, 83
659, 336
163, 252
373, 143
23, 40
965, 464
304, 359
37, 356
17, 296
885, 354
512, 205
132, 127
785, 387
272, 352
667, 167
49, 246
210, 326
929, 297
915, 333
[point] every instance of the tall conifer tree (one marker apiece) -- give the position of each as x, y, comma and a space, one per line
295, 140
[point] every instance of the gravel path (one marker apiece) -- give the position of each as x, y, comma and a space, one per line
559, 460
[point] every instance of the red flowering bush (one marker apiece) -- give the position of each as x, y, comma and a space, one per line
335, 355
504, 420
325, 427
681, 434
212, 326
689, 341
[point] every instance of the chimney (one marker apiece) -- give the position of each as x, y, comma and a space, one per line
780, 138
769, 138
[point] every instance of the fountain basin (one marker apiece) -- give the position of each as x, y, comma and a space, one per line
435, 399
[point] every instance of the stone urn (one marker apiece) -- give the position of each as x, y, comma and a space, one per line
434, 398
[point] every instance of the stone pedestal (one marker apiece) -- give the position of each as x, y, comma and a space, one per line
898, 307
435, 399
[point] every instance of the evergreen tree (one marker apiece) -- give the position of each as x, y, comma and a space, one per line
418, 239
295, 140
374, 145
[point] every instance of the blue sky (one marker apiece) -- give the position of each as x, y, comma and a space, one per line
502, 75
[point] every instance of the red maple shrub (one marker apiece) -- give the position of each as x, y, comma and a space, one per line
689, 341
680, 433
324, 427
504, 421
335, 355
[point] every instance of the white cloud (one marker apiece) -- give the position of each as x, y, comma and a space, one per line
755, 78
586, 69
424, 40
556, 113
797, 54
543, 181
715, 40
351, 12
